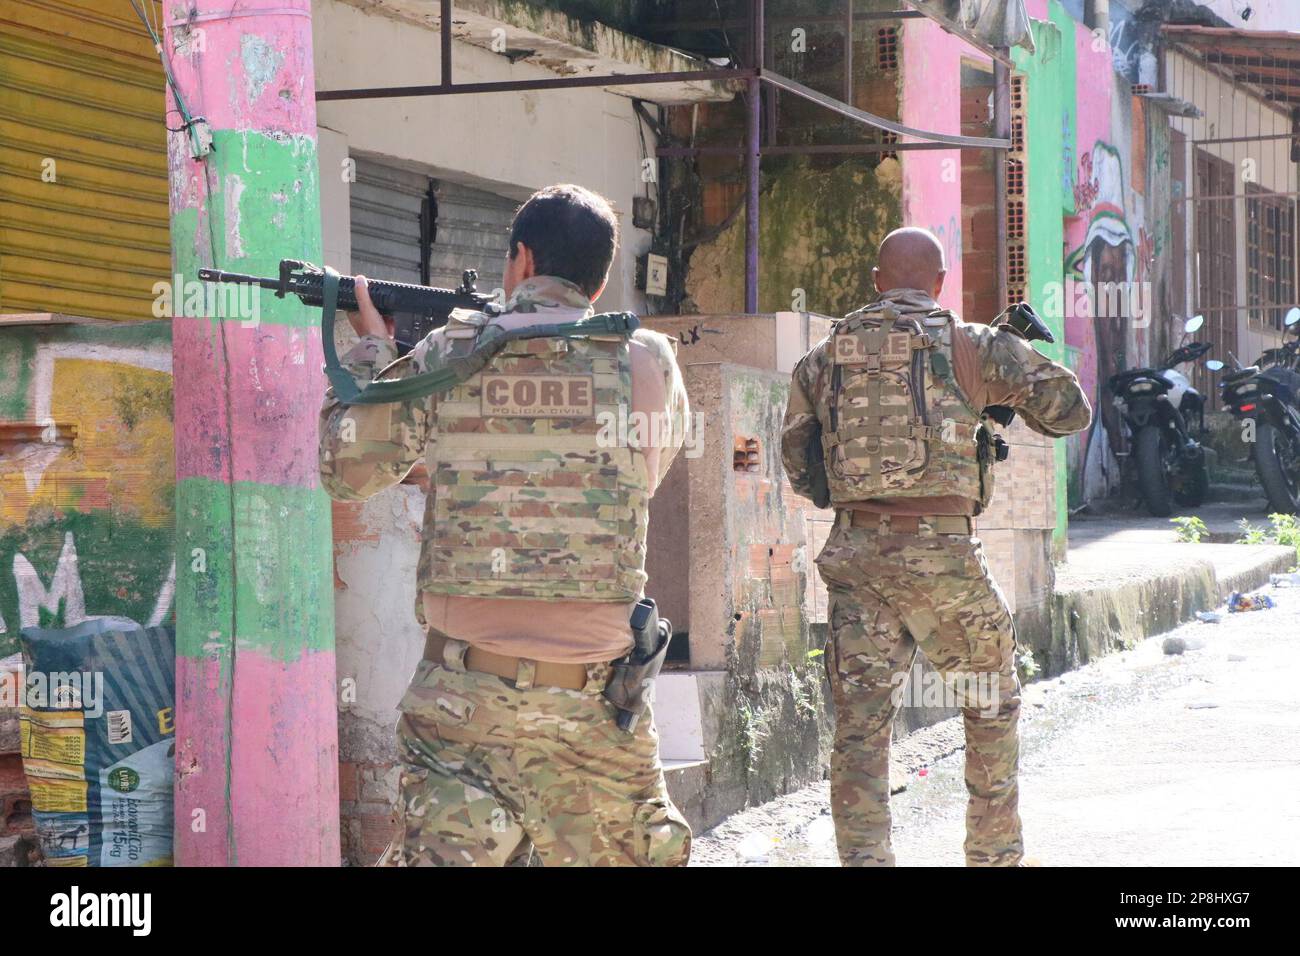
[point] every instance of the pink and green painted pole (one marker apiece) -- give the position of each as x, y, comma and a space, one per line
257, 734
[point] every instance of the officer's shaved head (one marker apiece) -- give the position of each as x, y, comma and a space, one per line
910, 258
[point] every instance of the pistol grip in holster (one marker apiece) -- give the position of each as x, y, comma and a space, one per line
632, 678
990, 445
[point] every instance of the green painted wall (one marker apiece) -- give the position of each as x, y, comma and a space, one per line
1050, 97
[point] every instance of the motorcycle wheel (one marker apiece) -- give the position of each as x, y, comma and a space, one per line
1152, 480
1276, 463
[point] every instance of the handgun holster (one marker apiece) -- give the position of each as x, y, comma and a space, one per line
631, 681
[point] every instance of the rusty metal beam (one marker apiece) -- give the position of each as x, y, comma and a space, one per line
519, 86
862, 116
809, 149
753, 157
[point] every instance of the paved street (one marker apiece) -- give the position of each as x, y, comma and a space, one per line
1140, 759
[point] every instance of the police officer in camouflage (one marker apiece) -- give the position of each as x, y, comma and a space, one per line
886, 414
532, 558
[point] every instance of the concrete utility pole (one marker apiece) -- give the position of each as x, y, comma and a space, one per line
257, 733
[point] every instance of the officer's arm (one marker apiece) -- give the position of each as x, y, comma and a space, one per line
367, 448
1046, 395
800, 430
675, 405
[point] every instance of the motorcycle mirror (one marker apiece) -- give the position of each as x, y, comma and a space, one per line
1214, 365
1292, 317
1194, 323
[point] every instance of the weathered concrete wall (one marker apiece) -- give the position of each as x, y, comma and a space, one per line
753, 614
86, 479
1099, 609
819, 230
376, 547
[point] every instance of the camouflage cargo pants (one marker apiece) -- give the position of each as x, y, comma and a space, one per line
890, 593
493, 769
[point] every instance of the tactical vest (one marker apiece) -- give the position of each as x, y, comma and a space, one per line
899, 425
535, 496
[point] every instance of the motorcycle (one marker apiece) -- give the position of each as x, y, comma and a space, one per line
1158, 407
1268, 393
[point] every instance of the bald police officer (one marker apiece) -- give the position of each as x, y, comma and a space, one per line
892, 400
532, 559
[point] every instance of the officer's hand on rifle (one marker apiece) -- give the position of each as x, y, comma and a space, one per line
367, 320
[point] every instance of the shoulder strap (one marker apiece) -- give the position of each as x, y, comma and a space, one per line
455, 369
345, 386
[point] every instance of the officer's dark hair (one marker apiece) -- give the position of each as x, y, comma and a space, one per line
572, 233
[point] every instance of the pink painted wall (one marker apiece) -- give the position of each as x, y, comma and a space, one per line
931, 100
1110, 214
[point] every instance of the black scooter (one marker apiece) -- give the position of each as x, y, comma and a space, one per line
1159, 408
1268, 393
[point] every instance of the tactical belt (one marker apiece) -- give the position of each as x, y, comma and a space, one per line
544, 673
911, 524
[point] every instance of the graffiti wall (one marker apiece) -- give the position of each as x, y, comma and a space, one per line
1107, 247
86, 475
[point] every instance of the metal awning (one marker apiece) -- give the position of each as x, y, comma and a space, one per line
992, 26
1267, 61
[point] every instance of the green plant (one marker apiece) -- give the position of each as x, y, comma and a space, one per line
1190, 529
1283, 530
1026, 664
753, 731
806, 684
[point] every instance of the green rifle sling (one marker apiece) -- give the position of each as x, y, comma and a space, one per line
455, 370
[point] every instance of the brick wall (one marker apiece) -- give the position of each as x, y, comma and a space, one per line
18, 843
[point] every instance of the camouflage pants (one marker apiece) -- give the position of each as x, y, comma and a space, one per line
493, 770
890, 593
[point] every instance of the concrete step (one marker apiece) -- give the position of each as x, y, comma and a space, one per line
1119, 589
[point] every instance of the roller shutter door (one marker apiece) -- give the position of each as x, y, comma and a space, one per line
83, 161
408, 227
472, 227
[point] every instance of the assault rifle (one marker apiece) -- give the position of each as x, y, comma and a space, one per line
416, 310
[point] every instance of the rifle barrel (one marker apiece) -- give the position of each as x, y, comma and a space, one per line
216, 275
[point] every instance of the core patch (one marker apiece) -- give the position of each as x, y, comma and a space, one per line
538, 396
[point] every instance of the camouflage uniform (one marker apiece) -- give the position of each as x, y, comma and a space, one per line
926, 583
524, 502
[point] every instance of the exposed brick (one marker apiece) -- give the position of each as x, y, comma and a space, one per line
977, 191
377, 831
984, 222
16, 814
379, 782
10, 741
349, 786
12, 779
